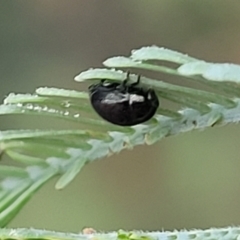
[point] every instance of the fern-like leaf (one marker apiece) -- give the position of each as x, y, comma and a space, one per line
229, 233
44, 154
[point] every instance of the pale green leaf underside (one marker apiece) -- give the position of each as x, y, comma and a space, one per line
44, 154
230, 233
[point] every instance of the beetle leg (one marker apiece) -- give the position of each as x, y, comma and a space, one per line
123, 85
137, 82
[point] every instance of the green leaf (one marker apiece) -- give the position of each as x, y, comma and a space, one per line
212, 71
161, 54
44, 153
228, 233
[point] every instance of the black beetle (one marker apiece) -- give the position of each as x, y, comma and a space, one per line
122, 103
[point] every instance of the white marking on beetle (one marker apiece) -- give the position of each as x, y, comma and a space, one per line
149, 96
113, 98
135, 98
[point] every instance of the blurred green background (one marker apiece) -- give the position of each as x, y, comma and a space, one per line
187, 181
